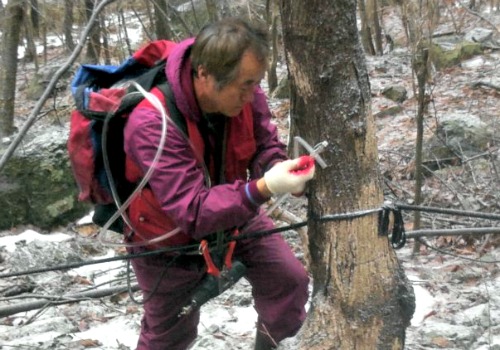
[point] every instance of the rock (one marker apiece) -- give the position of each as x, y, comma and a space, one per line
445, 335
479, 35
450, 51
395, 93
383, 107
37, 185
457, 136
39, 82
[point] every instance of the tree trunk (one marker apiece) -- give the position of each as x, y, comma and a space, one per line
123, 25
377, 28
162, 26
11, 31
105, 41
272, 13
213, 14
30, 52
35, 17
93, 43
361, 296
68, 25
366, 34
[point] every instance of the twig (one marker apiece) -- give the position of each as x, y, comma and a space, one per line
288, 217
481, 17
486, 84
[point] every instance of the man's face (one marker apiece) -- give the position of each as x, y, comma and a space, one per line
230, 99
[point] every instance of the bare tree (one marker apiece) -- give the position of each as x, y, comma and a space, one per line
31, 27
93, 44
366, 32
162, 26
11, 31
361, 297
272, 16
35, 17
213, 15
68, 25
371, 30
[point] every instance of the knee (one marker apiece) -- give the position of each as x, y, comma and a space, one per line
296, 278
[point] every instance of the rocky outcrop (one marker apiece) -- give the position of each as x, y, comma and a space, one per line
37, 185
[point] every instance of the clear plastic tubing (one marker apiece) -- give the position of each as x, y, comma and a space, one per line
122, 207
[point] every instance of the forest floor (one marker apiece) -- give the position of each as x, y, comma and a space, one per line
455, 279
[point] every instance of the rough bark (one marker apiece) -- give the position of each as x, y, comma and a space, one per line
361, 297
11, 31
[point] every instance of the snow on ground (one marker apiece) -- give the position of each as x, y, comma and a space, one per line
230, 318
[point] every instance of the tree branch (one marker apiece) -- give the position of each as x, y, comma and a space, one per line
65, 299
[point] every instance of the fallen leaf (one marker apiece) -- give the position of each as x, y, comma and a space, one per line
441, 342
89, 343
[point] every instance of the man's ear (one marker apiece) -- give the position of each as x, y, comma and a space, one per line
201, 72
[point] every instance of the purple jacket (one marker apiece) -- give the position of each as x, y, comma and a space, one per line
179, 180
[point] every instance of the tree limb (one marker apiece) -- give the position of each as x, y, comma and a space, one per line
65, 299
48, 90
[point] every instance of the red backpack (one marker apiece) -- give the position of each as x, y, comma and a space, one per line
103, 99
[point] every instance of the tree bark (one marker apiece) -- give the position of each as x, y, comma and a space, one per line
93, 44
163, 30
68, 25
272, 13
213, 14
30, 54
361, 296
366, 34
11, 31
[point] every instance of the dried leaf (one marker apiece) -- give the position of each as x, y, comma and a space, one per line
441, 342
82, 280
89, 343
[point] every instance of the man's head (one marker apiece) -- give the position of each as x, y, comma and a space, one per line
229, 59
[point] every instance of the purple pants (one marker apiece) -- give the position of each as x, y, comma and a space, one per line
279, 287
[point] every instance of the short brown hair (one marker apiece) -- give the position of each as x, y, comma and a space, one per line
219, 47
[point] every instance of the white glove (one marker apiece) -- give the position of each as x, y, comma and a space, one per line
290, 176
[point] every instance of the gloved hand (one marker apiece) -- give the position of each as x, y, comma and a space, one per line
290, 176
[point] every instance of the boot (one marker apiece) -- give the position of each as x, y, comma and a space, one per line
263, 342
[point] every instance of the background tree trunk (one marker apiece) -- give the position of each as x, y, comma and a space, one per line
376, 19
68, 25
93, 44
272, 15
35, 17
11, 31
29, 30
213, 14
366, 34
361, 297
162, 26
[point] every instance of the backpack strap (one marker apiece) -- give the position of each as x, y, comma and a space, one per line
175, 114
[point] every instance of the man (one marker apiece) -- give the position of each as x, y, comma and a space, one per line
201, 185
